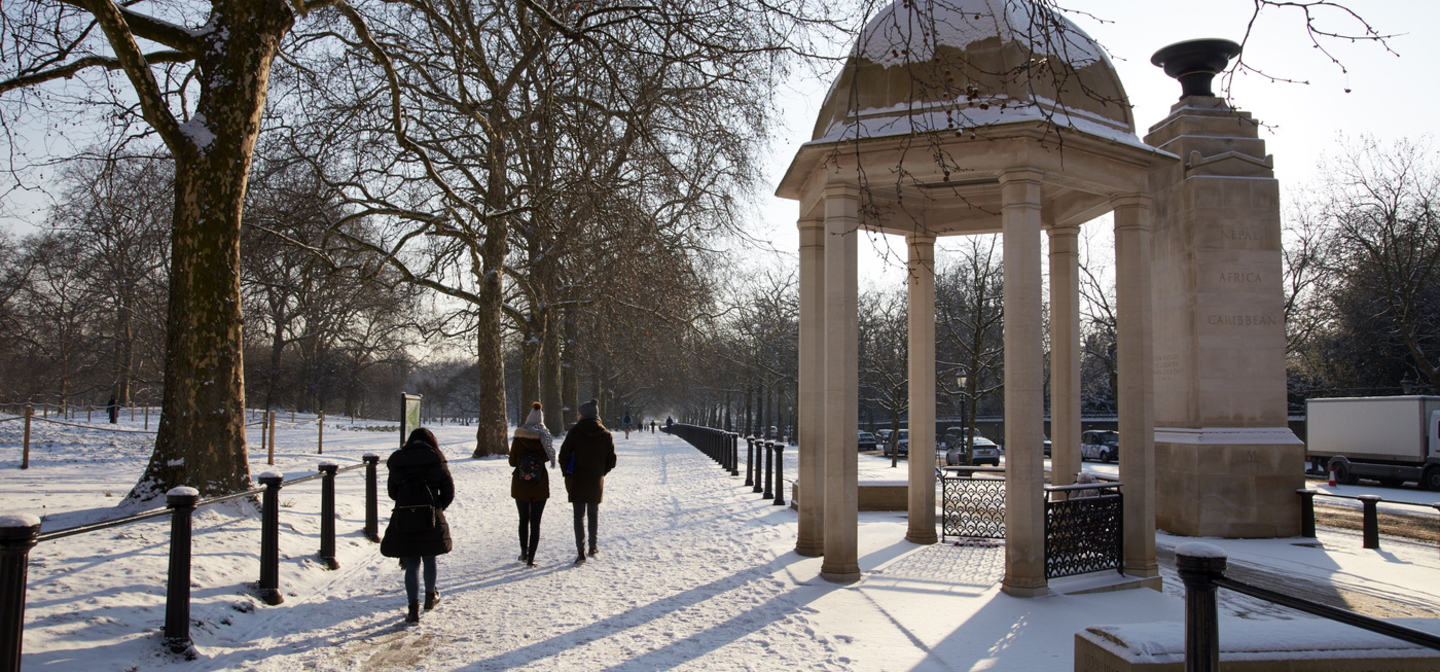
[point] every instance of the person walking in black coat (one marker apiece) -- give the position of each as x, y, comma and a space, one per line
531, 448
421, 486
588, 453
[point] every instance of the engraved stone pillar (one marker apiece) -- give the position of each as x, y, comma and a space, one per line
921, 281
1134, 371
811, 535
1024, 387
842, 388
1064, 354
1228, 464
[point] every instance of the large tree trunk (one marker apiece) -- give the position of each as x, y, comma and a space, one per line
531, 354
201, 438
569, 377
492, 430
550, 383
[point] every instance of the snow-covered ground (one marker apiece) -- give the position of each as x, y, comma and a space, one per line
695, 572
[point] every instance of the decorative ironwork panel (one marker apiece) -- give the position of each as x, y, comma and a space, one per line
974, 507
1084, 534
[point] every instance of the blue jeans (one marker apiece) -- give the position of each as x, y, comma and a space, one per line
412, 581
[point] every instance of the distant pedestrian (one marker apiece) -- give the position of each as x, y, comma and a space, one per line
668, 423
652, 426
112, 409
587, 454
531, 448
421, 486
626, 421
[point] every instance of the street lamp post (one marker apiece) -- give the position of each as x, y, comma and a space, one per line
965, 441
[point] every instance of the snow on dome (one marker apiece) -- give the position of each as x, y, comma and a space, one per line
1200, 549
968, 65
182, 491
270, 474
19, 520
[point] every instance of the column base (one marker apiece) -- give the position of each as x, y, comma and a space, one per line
840, 574
810, 549
1144, 571
922, 536
1015, 590
1232, 483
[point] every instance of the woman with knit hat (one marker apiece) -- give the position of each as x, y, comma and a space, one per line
531, 448
588, 453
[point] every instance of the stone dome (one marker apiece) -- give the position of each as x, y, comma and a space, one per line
969, 67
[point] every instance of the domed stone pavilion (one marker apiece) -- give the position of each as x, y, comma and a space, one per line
957, 117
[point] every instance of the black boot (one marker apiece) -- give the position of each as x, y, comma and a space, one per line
580, 558
594, 551
414, 615
432, 598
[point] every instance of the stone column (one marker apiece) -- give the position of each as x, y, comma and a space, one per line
811, 537
921, 281
1024, 386
1064, 354
842, 388
1135, 397
1230, 464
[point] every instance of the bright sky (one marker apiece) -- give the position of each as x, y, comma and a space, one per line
1391, 97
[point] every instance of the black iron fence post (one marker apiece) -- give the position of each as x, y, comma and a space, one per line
779, 473
17, 537
269, 585
1307, 513
1372, 520
752, 475
1198, 565
734, 448
372, 504
181, 502
327, 515
769, 470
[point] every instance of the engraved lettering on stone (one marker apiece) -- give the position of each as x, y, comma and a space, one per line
1241, 277
1242, 320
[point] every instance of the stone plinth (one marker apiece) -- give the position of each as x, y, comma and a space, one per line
1226, 463
872, 495
1247, 645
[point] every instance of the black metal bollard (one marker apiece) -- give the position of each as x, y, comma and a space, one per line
17, 537
327, 515
269, 585
1372, 520
769, 470
1198, 565
1307, 513
181, 502
734, 447
372, 502
750, 476
779, 473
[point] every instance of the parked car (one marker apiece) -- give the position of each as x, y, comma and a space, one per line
1097, 444
1047, 446
867, 441
900, 441
882, 436
983, 451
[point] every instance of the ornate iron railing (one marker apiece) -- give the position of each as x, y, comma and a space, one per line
974, 502
1084, 532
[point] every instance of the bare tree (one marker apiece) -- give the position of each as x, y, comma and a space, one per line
969, 295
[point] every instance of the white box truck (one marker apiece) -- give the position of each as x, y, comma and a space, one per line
1389, 439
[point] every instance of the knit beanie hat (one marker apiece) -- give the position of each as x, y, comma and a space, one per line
590, 409
535, 417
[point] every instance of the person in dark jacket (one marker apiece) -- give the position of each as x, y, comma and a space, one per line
421, 486
531, 441
588, 453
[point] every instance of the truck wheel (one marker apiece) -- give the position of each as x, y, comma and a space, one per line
1431, 479
1343, 475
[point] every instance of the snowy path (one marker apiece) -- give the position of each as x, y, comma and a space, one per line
683, 581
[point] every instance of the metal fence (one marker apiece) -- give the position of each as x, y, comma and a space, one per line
974, 502
1084, 530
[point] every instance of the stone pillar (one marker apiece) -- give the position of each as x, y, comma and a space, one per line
921, 281
811, 425
842, 388
1230, 465
1064, 354
1134, 374
1024, 386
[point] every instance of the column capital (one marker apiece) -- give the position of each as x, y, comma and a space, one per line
1021, 175
1132, 212
812, 232
915, 239
1123, 201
